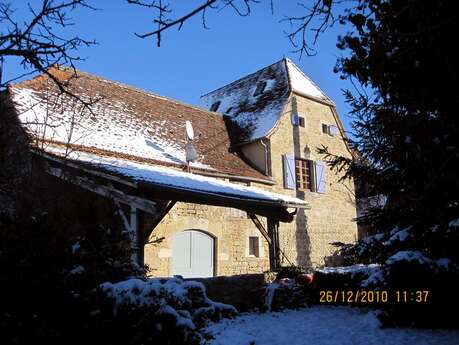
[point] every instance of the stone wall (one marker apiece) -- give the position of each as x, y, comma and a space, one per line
307, 240
245, 292
230, 228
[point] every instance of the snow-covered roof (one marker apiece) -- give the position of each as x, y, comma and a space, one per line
301, 83
124, 121
252, 115
169, 177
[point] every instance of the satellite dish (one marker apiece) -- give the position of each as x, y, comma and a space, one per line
189, 130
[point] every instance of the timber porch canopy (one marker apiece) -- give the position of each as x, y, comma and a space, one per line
156, 189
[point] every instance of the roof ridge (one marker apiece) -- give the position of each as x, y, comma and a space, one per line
130, 87
243, 78
150, 93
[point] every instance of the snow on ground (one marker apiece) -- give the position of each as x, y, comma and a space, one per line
319, 326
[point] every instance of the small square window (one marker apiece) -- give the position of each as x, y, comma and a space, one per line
325, 128
301, 121
333, 131
254, 246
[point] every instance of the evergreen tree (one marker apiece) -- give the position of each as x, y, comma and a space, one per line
401, 56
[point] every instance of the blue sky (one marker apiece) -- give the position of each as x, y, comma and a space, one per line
194, 61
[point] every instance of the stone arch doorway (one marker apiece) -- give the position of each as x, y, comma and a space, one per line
193, 254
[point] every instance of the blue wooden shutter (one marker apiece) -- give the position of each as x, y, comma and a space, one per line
289, 171
295, 119
320, 177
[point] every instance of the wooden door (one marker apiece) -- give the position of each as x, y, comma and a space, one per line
193, 254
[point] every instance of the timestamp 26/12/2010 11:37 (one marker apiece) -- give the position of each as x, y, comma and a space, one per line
374, 296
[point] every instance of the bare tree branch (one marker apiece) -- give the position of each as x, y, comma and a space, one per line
166, 24
37, 43
316, 20
241, 7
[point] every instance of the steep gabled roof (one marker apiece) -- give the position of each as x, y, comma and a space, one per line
253, 116
124, 122
302, 84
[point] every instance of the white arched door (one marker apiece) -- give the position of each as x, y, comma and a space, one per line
193, 254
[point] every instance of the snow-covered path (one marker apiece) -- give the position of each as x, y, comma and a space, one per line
319, 326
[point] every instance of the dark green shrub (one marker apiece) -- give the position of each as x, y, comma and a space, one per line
291, 271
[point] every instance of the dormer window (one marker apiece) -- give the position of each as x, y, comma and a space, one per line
214, 107
260, 88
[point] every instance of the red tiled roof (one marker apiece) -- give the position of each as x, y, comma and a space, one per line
125, 122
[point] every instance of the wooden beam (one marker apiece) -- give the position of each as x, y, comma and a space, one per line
67, 163
272, 237
159, 217
131, 226
261, 207
126, 224
274, 260
260, 227
135, 235
104, 190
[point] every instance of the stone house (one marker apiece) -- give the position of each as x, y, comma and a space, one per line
258, 194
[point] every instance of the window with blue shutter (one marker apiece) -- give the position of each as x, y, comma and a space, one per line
320, 177
289, 171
